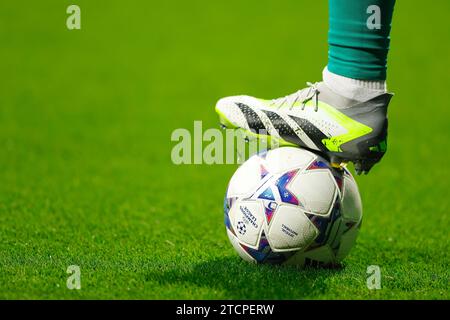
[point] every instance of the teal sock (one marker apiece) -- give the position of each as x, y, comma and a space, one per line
358, 38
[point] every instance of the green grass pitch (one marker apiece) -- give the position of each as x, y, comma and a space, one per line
85, 171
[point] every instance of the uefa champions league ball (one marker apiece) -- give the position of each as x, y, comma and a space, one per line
290, 206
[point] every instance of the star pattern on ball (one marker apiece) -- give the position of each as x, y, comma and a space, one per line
282, 184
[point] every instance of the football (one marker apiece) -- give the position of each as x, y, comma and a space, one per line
290, 206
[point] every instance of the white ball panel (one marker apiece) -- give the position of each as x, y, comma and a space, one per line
348, 240
351, 201
246, 178
290, 229
288, 158
247, 218
315, 190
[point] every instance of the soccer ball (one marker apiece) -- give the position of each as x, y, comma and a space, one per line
290, 206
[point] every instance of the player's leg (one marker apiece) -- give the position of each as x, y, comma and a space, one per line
358, 41
343, 117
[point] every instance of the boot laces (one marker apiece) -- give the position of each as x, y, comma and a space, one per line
303, 95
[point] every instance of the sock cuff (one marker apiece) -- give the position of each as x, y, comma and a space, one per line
379, 85
353, 88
